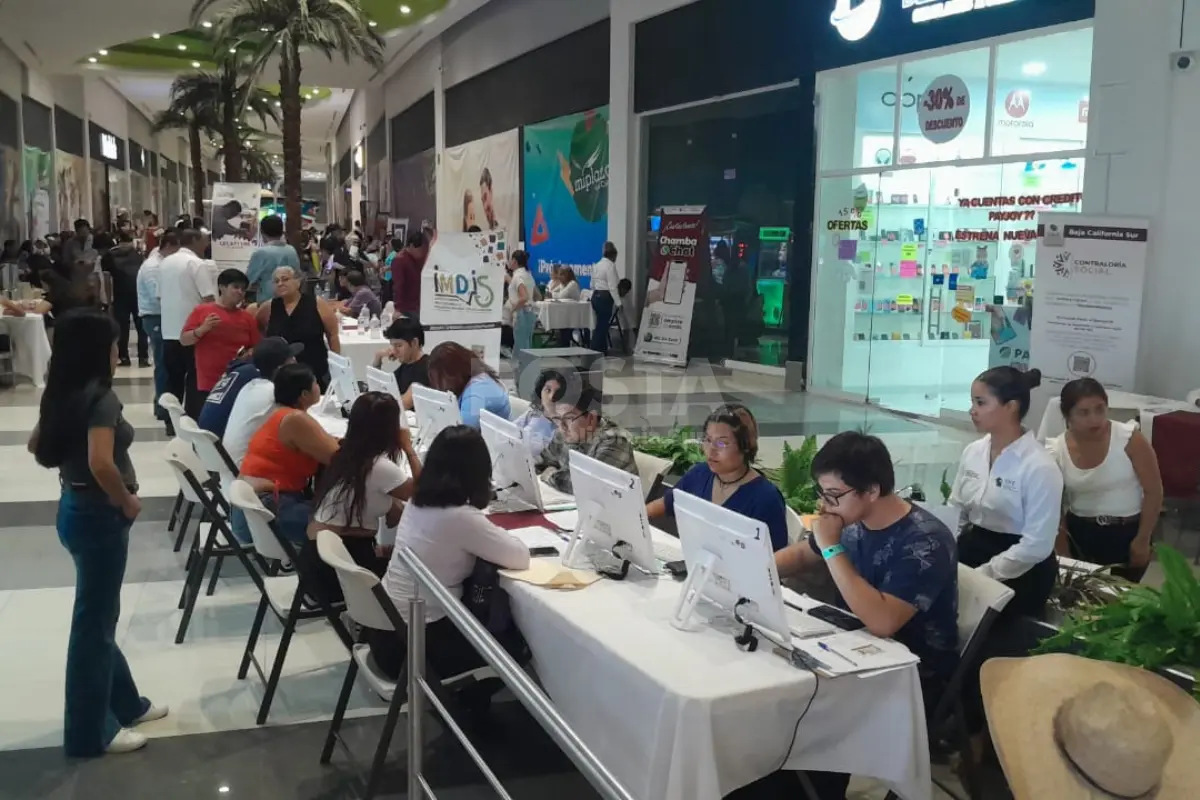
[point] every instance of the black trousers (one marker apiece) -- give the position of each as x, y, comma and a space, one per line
602, 305
181, 376
1104, 544
321, 579
446, 651
125, 308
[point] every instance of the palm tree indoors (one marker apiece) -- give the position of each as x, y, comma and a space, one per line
264, 29
191, 109
236, 96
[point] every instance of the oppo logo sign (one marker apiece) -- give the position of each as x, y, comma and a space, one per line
108, 146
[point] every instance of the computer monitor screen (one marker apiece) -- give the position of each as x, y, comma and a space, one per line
341, 379
612, 510
516, 480
730, 563
379, 380
436, 411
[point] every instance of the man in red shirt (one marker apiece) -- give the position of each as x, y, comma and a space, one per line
406, 274
218, 331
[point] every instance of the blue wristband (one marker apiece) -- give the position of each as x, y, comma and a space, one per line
833, 551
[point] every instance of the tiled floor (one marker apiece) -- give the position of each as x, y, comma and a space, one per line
209, 745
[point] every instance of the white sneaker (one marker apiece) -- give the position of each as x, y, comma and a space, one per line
126, 741
152, 714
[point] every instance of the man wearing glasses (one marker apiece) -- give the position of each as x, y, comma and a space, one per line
580, 426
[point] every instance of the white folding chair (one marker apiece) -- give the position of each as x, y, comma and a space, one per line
651, 470
795, 526
197, 486
282, 594
211, 452
518, 407
170, 403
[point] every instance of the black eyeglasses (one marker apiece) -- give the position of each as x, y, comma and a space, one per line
832, 498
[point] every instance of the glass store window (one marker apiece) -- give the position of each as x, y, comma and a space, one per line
925, 263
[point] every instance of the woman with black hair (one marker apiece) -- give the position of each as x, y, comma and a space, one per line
363, 484
522, 292
538, 428
1114, 491
445, 526
727, 476
1010, 492
82, 432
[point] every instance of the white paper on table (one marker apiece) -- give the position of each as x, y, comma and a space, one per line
563, 520
868, 653
534, 537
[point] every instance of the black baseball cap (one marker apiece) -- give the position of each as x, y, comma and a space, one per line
272, 353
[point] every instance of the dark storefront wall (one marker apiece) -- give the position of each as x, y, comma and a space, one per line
739, 46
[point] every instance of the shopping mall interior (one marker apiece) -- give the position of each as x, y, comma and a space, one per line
838, 214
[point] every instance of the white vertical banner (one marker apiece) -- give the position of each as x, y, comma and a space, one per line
1088, 298
680, 259
234, 223
462, 292
480, 185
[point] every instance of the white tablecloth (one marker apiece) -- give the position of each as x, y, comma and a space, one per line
688, 716
31, 346
360, 348
1125, 405
570, 314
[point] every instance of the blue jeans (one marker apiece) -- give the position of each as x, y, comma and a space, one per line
101, 697
152, 325
291, 517
602, 305
523, 324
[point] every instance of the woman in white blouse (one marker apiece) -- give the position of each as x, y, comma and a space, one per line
445, 526
1010, 492
564, 286
1114, 492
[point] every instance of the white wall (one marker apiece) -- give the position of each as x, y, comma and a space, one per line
505, 29
365, 109
68, 91
414, 80
1143, 162
139, 128
106, 107
11, 71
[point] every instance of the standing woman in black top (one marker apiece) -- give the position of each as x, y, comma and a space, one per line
302, 318
82, 432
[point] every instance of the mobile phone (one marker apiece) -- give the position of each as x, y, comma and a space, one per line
538, 552
676, 278
836, 617
677, 569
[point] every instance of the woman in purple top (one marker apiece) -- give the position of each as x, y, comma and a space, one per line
361, 296
728, 478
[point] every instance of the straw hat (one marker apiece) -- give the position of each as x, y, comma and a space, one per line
1069, 728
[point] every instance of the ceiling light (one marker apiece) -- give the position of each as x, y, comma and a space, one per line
156, 36
195, 65
265, 30
103, 52
183, 47
92, 60
276, 102
372, 23
405, 10
206, 24
233, 49
1033, 69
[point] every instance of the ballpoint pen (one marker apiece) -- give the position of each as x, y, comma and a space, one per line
831, 651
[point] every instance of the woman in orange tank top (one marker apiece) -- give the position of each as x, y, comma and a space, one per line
285, 454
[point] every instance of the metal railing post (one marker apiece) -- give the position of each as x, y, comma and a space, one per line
416, 697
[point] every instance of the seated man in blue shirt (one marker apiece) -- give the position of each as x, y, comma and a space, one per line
269, 355
895, 565
274, 253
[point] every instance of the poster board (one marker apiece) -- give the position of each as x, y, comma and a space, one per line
681, 256
462, 292
480, 185
234, 223
565, 182
1090, 280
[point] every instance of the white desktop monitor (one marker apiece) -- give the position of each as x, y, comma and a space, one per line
729, 560
513, 470
341, 380
611, 509
435, 411
379, 380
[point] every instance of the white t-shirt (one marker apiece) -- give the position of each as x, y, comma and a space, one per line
568, 292
448, 540
385, 476
184, 280
521, 277
1112, 488
604, 277
254, 405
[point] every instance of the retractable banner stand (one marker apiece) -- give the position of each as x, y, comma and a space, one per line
234, 223
462, 292
681, 256
1090, 279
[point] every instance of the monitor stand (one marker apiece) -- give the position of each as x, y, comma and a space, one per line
575, 555
693, 589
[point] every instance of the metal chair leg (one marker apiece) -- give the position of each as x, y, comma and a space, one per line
289, 628
175, 512
385, 743
252, 641
183, 525
191, 587
339, 712
216, 573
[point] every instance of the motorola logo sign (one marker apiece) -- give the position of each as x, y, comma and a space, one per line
854, 19
1016, 107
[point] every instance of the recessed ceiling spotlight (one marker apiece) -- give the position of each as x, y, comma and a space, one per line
156, 36
265, 30
92, 60
195, 65
206, 24
103, 52
405, 10
276, 102
372, 23
183, 47
233, 49
1033, 69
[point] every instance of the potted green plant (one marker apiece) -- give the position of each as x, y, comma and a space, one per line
794, 476
680, 447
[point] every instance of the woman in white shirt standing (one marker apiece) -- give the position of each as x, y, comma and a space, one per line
1114, 492
1010, 492
446, 528
522, 292
363, 484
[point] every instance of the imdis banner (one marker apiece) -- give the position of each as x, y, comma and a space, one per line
462, 292
681, 256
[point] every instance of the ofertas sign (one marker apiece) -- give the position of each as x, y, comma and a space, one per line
681, 254
943, 109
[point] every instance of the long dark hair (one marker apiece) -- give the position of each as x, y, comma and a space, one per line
373, 431
452, 366
80, 374
457, 471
